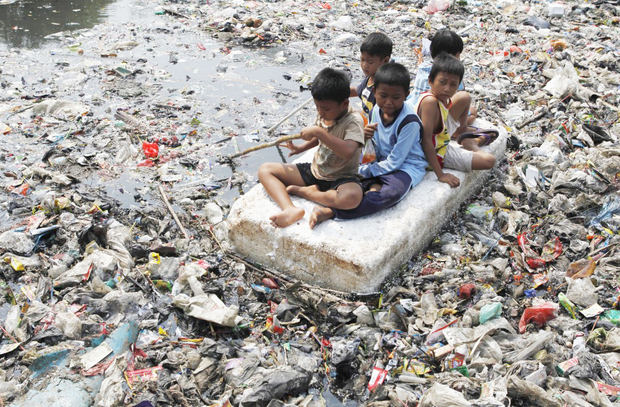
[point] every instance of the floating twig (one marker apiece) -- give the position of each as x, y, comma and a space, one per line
174, 215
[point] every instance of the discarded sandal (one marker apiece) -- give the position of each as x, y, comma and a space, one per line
489, 136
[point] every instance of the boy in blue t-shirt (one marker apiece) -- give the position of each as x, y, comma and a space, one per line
396, 130
376, 50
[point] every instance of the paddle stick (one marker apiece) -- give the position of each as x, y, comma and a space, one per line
267, 145
285, 118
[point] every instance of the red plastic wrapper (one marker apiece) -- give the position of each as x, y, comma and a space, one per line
270, 282
142, 375
377, 377
466, 290
539, 314
146, 163
151, 150
551, 251
608, 389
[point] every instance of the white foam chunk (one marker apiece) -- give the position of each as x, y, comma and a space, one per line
350, 255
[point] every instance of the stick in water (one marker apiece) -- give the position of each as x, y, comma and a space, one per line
174, 215
267, 145
285, 118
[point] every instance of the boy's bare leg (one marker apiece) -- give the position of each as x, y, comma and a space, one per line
471, 144
301, 190
461, 103
275, 177
346, 196
473, 115
320, 214
482, 160
374, 188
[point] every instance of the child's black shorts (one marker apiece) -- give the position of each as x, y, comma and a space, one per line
309, 179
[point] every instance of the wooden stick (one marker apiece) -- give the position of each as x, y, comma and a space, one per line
532, 119
13, 339
174, 215
267, 145
285, 118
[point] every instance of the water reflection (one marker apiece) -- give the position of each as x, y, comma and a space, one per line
25, 23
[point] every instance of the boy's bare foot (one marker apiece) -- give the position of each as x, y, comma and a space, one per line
292, 189
287, 217
301, 191
320, 214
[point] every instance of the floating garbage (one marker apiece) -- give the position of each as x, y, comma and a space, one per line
118, 283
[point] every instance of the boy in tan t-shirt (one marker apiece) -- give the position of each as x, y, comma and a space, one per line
331, 180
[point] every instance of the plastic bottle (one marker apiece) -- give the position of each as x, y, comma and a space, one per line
579, 344
490, 311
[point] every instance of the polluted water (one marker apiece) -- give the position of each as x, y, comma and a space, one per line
118, 120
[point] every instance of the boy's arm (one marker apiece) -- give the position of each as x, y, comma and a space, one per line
342, 148
353, 93
297, 149
408, 135
430, 115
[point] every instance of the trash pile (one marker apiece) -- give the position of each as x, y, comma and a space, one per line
118, 287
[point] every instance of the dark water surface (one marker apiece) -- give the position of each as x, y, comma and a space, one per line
26, 23
240, 92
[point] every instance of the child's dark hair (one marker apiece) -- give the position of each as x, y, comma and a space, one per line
331, 84
393, 74
446, 41
448, 64
377, 44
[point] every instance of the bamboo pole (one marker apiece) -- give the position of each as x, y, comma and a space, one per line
267, 145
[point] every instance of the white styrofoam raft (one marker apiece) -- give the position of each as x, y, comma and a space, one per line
350, 255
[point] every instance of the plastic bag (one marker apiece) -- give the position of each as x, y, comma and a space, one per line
551, 251
442, 395
369, 154
434, 6
151, 150
490, 311
582, 292
539, 314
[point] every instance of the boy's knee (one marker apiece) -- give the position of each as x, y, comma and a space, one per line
265, 169
350, 198
391, 196
462, 97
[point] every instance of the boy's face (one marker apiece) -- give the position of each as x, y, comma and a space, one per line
331, 109
370, 63
390, 98
444, 86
